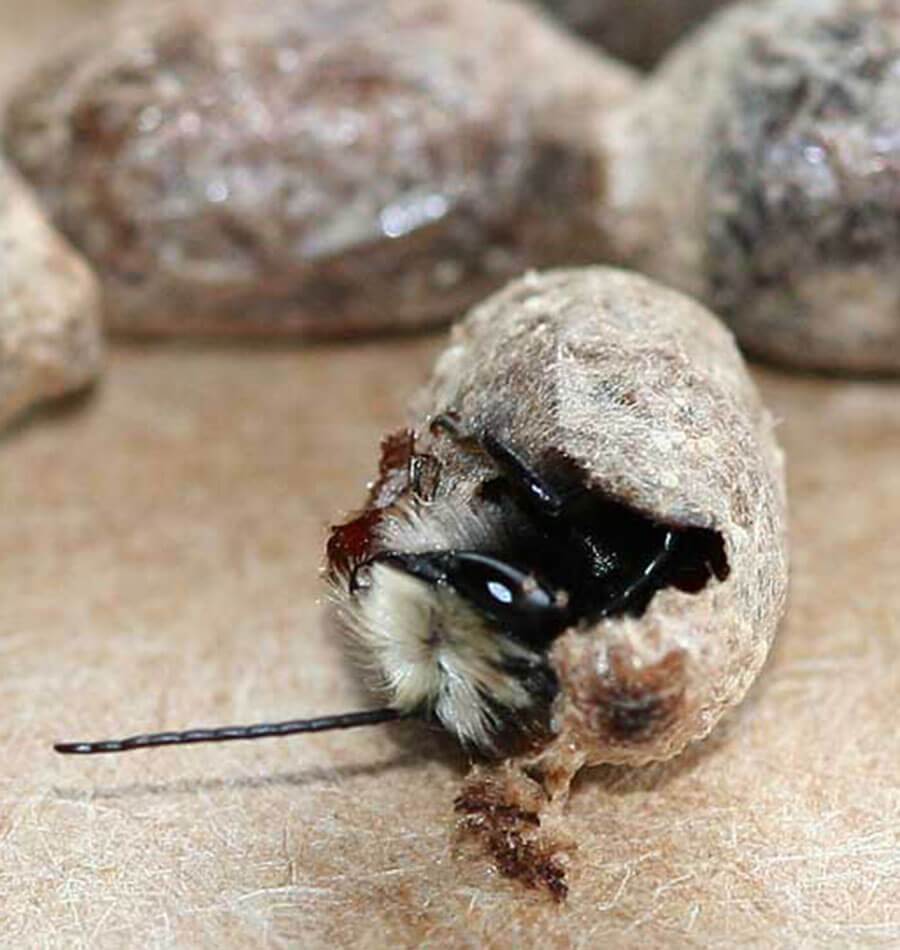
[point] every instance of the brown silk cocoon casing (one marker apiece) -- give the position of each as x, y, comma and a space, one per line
759, 170
647, 392
643, 393
318, 168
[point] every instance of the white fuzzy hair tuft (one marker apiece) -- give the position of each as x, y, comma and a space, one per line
429, 651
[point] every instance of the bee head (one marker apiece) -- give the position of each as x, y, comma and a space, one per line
458, 635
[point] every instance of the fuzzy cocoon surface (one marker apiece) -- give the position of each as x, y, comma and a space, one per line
647, 393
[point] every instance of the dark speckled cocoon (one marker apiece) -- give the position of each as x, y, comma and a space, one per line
759, 170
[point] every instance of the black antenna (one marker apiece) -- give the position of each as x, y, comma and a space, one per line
263, 730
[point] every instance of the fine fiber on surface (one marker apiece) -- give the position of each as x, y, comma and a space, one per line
161, 548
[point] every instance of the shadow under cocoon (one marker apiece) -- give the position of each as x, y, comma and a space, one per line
51, 411
621, 780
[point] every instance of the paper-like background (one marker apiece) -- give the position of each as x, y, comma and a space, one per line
159, 553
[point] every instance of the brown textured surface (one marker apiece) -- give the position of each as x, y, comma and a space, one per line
320, 168
160, 547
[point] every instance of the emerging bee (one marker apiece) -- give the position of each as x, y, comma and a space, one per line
575, 554
457, 598
460, 632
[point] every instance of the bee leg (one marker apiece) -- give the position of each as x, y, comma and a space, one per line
517, 478
523, 481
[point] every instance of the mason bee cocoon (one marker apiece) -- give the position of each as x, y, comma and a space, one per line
51, 342
589, 499
322, 168
759, 170
575, 553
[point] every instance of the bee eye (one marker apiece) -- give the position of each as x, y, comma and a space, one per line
512, 598
515, 600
